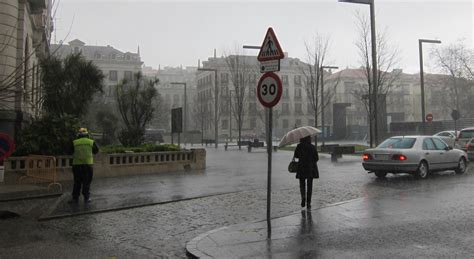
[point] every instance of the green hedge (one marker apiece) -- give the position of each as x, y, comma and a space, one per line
139, 149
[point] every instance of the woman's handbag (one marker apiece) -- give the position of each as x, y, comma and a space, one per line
293, 166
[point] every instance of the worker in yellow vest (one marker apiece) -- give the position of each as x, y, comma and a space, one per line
82, 161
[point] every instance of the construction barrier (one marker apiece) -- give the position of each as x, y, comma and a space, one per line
42, 168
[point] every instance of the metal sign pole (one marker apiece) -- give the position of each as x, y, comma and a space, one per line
269, 176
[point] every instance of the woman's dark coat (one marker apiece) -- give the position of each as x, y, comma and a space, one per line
307, 157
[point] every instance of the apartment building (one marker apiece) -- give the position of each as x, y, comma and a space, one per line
114, 64
25, 29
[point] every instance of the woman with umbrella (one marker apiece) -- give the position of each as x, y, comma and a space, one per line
307, 169
307, 158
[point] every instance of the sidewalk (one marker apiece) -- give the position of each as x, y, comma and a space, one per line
411, 224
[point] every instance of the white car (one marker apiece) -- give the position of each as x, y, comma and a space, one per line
463, 138
418, 155
449, 136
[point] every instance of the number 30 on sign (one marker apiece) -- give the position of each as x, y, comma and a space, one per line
269, 89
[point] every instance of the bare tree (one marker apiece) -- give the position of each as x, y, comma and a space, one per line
387, 60
455, 60
198, 114
316, 56
241, 72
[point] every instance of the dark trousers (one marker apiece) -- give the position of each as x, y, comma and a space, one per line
306, 192
82, 178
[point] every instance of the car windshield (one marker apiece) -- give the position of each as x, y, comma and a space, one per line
398, 143
467, 134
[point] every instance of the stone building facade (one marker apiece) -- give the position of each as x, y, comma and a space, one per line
25, 32
114, 64
401, 102
292, 110
173, 94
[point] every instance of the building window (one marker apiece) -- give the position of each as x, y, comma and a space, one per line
252, 108
285, 123
285, 109
298, 93
127, 57
76, 50
252, 93
128, 75
97, 55
309, 107
298, 80
253, 123
286, 93
113, 75
253, 78
298, 109
311, 122
298, 123
225, 124
224, 78
113, 56
284, 79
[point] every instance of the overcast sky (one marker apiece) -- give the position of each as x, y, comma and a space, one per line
173, 33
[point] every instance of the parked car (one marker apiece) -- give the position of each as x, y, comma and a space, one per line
470, 149
448, 136
418, 155
464, 136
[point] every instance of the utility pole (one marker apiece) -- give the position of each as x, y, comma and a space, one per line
322, 100
422, 83
373, 126
216, 99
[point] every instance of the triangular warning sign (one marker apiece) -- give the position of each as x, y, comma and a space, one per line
270, 49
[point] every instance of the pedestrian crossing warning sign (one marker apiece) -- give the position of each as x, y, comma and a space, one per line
270, 49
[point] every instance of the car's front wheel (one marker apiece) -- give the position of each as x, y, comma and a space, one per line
422, 171
380, 174
461, 166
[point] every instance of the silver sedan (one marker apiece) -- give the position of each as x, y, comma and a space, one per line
418, 155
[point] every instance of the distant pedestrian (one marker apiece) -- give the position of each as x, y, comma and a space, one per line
307, 169
82, 161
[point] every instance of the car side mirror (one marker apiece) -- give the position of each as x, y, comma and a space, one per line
448, 148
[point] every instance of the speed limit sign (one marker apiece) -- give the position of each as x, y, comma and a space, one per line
269, 89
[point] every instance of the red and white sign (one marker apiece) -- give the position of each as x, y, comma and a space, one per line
7, 146
269, 89
270, 49
429, 117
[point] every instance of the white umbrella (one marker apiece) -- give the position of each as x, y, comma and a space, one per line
295, 135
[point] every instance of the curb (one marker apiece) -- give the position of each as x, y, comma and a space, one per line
45, 216
31, 197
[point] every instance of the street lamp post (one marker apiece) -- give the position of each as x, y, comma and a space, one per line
185, 108
422, 83
230, 115
373, 87
322, 99
216, 91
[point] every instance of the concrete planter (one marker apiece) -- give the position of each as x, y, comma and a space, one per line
110, 165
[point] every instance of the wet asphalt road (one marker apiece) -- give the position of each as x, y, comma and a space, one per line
236, 181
